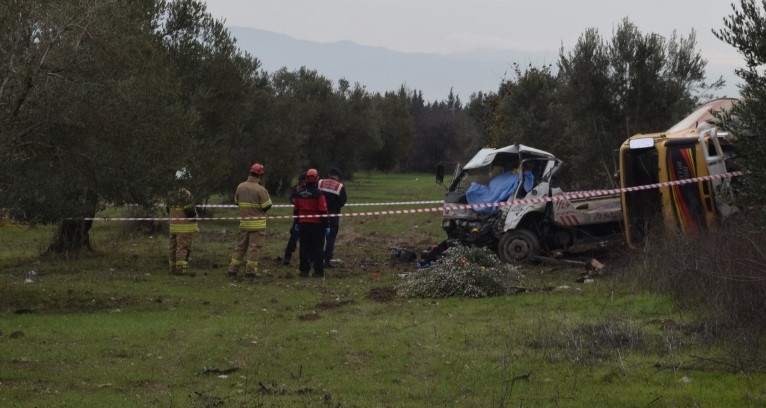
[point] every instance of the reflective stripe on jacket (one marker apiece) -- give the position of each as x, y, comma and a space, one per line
310, 201
182, 212
334, 192
253, 201
182, 226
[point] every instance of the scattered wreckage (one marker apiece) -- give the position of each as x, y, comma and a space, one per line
547, 222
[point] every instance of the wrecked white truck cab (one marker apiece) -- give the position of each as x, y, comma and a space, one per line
524, 231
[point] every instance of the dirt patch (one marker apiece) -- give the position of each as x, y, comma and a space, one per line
309, 317
382, 294
358, 359
273, 388
26, 301
334, 304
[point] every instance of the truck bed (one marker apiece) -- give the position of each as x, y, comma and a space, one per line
586, 211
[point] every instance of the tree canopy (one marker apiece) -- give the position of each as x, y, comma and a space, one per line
604, 91
745, 30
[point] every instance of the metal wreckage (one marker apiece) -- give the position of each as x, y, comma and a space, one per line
507, 199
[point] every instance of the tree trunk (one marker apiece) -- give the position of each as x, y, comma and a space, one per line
71, 237
73, 234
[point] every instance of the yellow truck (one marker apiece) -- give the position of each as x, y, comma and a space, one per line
694, 147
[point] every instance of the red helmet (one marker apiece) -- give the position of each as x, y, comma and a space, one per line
257, 169
312, 176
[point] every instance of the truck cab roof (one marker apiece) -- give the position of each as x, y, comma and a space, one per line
487, 156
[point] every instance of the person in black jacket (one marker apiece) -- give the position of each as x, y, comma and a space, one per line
310, 207
335, 193
292, 242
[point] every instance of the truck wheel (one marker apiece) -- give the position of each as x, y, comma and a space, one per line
518, 246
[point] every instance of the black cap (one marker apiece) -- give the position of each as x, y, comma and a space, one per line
334, 171
302, 177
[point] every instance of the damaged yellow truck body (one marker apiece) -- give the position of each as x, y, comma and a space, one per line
695, 147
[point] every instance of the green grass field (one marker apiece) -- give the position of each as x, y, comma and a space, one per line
114, 329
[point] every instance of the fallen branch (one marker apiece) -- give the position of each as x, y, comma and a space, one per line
213, 370
734, 366
521, 377
300, 372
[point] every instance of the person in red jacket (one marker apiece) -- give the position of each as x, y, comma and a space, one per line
310, 207
292, 242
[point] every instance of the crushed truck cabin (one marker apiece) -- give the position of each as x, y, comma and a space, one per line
546, 221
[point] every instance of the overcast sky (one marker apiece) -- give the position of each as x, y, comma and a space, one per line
444, 26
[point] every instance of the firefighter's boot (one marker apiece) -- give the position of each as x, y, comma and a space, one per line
233, 271
183, 269
251, 270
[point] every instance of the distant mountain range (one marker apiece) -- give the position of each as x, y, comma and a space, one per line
379, 69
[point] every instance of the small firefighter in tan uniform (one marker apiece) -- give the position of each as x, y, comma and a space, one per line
253, 201
183, 225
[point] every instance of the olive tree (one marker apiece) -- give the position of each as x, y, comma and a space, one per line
218, 82
89, 111
632, 83
745, 30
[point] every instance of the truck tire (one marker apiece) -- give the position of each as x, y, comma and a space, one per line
519, 245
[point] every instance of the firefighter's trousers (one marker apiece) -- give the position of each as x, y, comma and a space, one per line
180, 250
248, 247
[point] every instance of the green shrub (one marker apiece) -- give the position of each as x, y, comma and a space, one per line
721, 278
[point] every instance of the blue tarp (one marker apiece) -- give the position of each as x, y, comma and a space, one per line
499, 189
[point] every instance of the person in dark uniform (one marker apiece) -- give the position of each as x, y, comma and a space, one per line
292, 242
310, 207
335, 193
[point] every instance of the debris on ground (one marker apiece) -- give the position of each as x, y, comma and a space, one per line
592, 268
594, 265
309, 317
434, 252
403, 255
465, 271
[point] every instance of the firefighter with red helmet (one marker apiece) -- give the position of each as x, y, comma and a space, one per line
310, 207
183, 226
253, 201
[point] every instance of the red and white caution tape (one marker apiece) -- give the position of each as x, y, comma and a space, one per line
449, 206
347, 205
597, 193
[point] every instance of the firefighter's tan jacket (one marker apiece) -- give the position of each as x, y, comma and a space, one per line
253, 201
180, 207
